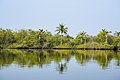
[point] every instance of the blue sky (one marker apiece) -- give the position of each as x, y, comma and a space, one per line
78, 15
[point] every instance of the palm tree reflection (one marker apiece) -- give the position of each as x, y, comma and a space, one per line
61, 67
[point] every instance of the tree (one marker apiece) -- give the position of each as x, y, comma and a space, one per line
41, 37
6, 38
117, 34
61, 29
117, 39
82, 37
104, 37
106, 34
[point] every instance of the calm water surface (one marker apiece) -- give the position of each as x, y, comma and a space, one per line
59, 65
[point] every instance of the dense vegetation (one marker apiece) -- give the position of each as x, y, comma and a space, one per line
44, 39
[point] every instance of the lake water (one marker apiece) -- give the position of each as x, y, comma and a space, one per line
59, 65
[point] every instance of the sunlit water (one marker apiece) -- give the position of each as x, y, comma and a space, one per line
59, 65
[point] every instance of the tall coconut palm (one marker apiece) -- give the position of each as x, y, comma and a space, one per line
61, 29
41, 37
106, 34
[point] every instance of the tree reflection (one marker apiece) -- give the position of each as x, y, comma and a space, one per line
62, 67
117, 58
82, 57
103, 58
40, 58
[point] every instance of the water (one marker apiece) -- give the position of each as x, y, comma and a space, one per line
59, 65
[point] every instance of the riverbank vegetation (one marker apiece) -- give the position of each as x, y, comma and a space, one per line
28, 38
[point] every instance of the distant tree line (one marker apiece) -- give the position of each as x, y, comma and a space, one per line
28, 38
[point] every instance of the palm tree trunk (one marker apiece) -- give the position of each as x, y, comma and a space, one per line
61, 38
81, 41
106, 38
85, 41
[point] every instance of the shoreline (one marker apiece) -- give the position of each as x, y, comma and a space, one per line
69, 48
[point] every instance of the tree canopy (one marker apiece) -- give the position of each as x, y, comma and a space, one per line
28, 38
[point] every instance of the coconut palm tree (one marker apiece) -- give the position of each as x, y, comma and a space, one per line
61, 29
117, 39
106, 34
41, 37
117, 34
81, 36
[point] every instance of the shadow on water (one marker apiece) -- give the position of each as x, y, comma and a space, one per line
31, 58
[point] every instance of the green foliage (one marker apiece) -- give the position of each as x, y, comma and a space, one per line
116, 40
44, 39
82, 38
104, 37
61, 29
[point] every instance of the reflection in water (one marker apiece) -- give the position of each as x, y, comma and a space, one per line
62, 67
30, 58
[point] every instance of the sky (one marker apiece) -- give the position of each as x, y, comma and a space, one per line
78, 15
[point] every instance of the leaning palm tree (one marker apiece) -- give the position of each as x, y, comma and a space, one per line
117, 34
82, 36
106, 34
61, 29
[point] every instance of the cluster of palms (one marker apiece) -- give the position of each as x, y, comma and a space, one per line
45, 39
82, 37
